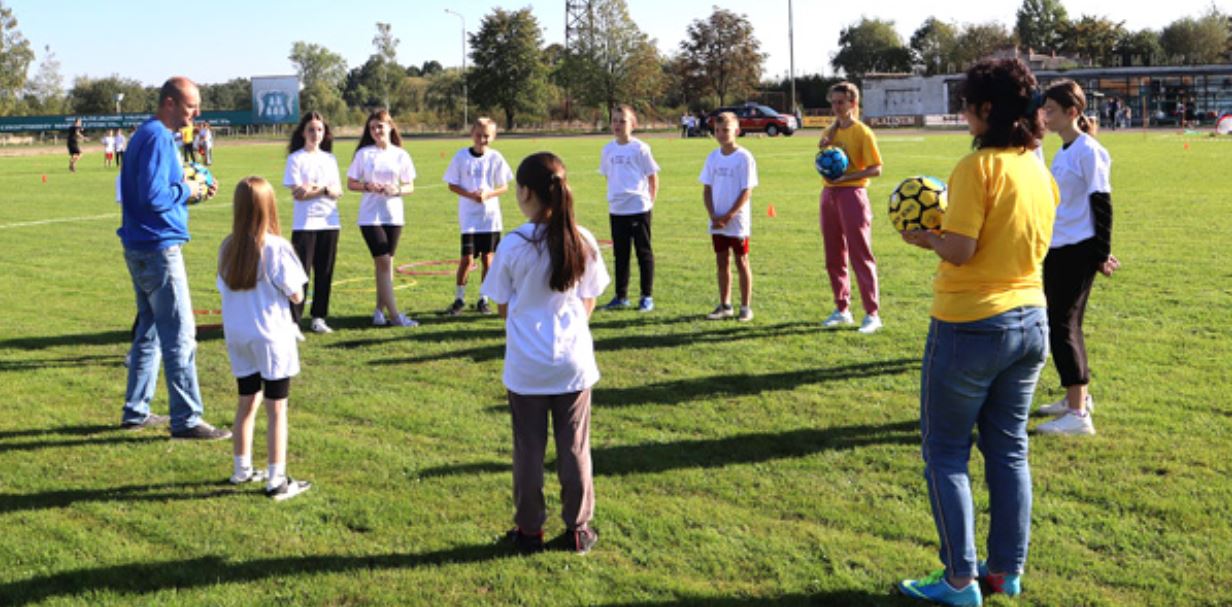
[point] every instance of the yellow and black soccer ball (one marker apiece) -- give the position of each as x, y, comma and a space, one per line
198, 173
918, 203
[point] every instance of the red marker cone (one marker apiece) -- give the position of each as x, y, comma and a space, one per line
770, 212
442, 154
1186, 146
44, 179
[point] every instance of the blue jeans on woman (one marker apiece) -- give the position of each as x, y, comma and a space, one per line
981, 375
165, 330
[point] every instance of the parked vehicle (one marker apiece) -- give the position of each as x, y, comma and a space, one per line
755, 117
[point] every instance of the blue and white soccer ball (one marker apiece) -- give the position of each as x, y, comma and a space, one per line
831, 163
195, 172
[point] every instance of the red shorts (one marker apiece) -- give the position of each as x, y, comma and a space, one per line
740, 246
110, 155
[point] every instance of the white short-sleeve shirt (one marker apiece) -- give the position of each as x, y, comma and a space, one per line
391, 165
257, 323
317, 167
120, 142
108, 143
548, 348
471, 172
1082, 168
728, 176
627, 168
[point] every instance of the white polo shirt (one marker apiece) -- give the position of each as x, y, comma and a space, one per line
391, 165
727, 176
1082, 168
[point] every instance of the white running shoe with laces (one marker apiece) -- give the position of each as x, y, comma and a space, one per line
1069, 424
1061, 407
871, 324
837, 318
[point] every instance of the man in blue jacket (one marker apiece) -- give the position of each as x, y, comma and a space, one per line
155, 197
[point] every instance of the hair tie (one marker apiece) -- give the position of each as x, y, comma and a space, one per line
1036, 102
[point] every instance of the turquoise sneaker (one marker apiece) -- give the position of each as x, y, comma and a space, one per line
1009, 584
935, 589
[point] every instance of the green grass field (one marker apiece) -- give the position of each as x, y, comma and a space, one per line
763, 463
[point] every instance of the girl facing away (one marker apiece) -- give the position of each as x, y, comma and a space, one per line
259, 277
544, 279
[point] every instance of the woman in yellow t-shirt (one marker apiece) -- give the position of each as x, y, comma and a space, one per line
989, 333
845, 213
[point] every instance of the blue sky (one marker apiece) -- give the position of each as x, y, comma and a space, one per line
215, 41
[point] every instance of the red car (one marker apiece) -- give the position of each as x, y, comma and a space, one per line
755, 117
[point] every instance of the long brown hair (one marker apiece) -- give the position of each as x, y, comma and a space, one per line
853, 93
1008, 86
1067, 94
254, 214
327, 138
379, 116
544, 175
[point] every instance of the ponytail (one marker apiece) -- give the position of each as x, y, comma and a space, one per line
1068, 94
544, 175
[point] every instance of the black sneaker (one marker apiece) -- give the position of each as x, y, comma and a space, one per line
288, 489
202, 431
483, 307
525, 543
150, 421
456, 308
581, 540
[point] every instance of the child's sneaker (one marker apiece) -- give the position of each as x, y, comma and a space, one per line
1009, 584
1061, 407
482, 306
617, 303
582, 540
456, 307
871, 324
299, 335
405, 321
525, 543
646, 304
319, 326
746, 314
287, 490
837, 318
1071, 423
721, 312
251, 475
378, 319
935, 589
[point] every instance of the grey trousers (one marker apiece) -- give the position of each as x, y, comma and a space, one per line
571, 427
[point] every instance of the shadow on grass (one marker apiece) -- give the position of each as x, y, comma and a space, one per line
627, 342
17, 502
85, 430
145, 578
101, 338
117, 438
834, 597
433, 328
649, 458
737, 385
60, 363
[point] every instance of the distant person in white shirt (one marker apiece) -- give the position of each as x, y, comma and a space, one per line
205, 143
259, 277
479, 175
632, 186
728, 179
121, 143
544, 279
108, 148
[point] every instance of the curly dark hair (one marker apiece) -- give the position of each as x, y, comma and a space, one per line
1009, 87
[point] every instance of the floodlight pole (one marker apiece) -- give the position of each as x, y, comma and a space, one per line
791, 52
465, 102
118, 98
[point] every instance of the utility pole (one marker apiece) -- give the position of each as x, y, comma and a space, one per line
465, 101
791, 52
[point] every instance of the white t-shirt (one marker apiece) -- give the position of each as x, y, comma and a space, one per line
321, 168
727, 176
374, 165
471, 173
1082, 168
627, 168
205, 138
257, 323
120, 142
108, 144
548, 345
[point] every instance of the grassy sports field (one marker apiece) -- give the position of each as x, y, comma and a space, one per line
771, 462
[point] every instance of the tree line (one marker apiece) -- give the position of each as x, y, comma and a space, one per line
514, 76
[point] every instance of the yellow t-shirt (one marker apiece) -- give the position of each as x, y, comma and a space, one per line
186, 134
1006, 200
860, 145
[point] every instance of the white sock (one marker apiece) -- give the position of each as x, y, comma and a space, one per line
460, 292
243, 463
276, 474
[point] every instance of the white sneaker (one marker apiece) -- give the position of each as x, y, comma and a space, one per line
837, 318
251, 475
871, 324
288, 489
1068, 424
1061, 407
319, 326
299, 335
721, 312
746, 314
405, 321
378, 319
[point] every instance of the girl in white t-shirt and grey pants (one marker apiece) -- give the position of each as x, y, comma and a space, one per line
1081, 246
544, 279
312, 175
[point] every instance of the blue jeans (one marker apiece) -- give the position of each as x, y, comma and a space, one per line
165, 330
981, 375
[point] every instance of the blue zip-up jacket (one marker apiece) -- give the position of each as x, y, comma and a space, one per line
152, 190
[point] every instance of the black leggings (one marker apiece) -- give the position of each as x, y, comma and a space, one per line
632, 230
1069, 273
275, 389
316, 250
381, 240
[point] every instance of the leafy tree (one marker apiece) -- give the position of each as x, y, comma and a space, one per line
431, 68
977, 41
1093, 38
1190, 41
1041, 24
322, 73
613, 60
98, 95
443, 92
234, 94
15, 59
45, 91
1139, 48
933, 44
721, 55
872, 45
508, 72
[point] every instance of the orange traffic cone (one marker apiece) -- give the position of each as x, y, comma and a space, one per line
770, 212
1186, 146
44, 179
